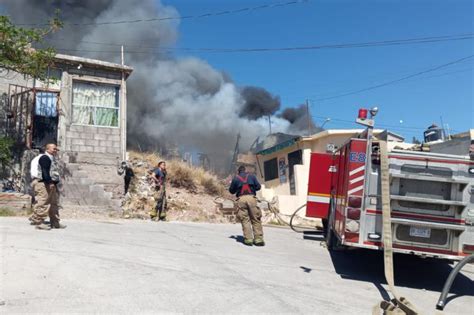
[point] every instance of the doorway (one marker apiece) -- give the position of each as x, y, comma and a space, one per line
45, 119
294, 158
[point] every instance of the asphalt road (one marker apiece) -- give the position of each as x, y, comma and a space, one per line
149, 267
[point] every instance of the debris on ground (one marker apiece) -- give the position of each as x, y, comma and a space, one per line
190, 191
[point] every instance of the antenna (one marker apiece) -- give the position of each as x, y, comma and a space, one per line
442, 127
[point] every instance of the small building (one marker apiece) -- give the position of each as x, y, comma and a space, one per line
83, 110
283, 168
460, 144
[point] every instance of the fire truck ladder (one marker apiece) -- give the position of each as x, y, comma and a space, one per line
399, 305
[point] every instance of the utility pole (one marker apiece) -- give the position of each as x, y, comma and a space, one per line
123, 111
442, 127
309, 117
235, 156
270, 123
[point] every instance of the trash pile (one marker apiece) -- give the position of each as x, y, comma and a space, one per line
190, 191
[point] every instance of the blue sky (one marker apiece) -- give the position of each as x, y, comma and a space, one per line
297, 75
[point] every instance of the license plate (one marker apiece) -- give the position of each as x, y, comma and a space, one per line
420, 232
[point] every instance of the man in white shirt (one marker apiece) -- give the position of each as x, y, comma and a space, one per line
34, 167
45, 181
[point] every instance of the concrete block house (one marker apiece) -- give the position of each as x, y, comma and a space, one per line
84, 111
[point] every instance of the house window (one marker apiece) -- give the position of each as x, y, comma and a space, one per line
95, 104
270, 169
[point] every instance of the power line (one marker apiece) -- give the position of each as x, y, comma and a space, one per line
410, 41
185, 17
321, 95
406, 128
396, 80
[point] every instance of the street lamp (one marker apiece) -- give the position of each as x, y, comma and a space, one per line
325, 122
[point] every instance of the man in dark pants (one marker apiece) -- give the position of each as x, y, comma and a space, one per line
159, 177
245, 186
128, 175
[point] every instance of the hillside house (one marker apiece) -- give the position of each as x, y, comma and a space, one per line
84, 111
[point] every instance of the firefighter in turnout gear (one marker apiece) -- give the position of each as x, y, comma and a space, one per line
159, 179
245, 186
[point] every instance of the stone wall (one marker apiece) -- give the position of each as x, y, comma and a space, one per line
15, 201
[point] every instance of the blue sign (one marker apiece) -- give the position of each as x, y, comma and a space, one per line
357, 157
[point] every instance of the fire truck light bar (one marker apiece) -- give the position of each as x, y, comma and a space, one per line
362, 113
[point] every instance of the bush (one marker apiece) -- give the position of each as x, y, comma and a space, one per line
181, 176
5, 150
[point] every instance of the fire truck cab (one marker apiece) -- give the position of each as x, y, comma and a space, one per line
431, 198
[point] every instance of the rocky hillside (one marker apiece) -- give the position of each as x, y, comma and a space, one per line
191, 191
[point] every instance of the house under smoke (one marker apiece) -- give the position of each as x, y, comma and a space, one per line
84, 111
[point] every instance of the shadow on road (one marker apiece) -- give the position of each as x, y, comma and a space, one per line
237, 238
410, 271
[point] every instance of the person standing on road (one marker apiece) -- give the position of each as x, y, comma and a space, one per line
245, 186
34, 166
126, 170
159, 178
45, 190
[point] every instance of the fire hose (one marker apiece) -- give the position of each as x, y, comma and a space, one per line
276, 212
399, 305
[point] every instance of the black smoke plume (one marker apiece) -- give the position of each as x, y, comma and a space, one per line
258, 103
181, 102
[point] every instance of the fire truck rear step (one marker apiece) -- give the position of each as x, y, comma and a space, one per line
430, 178
429, 200
434, 225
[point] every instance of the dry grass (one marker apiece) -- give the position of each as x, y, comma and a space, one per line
7, 212
180, 174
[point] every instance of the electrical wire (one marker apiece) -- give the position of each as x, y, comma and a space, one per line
185, 17
321, 95
156, 49
381, 125
377, 86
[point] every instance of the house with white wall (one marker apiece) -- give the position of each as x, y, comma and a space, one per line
283, 168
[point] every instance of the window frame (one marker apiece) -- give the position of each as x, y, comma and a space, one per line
93, 82
265, 168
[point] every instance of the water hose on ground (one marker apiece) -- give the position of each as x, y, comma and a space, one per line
276, 212
449, 282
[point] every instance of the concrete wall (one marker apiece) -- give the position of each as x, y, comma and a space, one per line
92, 139
78, 138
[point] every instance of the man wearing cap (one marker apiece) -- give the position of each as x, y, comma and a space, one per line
46, 191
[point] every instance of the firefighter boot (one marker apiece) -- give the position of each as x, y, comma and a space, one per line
153, 214
248, 242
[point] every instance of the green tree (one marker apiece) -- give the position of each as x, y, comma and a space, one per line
16, 52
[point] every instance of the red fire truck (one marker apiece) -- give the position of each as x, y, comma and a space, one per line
431, 197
